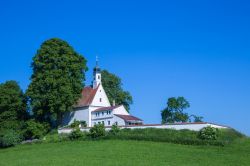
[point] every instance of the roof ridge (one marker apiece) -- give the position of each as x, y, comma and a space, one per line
88, 95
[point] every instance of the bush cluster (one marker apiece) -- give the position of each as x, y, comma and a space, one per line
114, 130
76, 134
77, 124
35, 130
186, 137
14, 132
97, 131
208, 133
9, 138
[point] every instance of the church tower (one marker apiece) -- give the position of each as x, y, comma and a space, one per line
97, 75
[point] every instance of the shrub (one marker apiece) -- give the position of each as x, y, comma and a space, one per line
186, 137
208, 133
76, 134
35, 130
75, 124
114, 130
9, 138
83, 123
97, 131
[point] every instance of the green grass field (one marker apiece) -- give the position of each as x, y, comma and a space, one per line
117, 152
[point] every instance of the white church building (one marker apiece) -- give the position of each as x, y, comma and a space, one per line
94, 107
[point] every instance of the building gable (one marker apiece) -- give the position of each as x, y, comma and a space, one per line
100, 99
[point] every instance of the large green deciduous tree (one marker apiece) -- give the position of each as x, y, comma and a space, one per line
57, 80
174, 112
113, 87
13, 105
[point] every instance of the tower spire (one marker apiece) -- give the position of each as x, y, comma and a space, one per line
97, 74
96, 60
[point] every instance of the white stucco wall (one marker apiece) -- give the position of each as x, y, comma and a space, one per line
120, 121
194, 127
100, 94
120, 110
80, 114
106, 118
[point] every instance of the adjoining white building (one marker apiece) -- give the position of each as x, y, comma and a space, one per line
94, 107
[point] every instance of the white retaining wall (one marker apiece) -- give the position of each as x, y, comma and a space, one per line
189, 126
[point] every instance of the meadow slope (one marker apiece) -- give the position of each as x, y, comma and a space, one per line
117, 152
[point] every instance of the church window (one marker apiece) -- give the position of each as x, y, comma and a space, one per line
99, 77
100, 99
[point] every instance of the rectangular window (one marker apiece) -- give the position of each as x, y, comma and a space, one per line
100, 99
108, 122
103, 122
102, 113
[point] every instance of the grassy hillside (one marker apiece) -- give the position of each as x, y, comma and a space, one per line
118, 152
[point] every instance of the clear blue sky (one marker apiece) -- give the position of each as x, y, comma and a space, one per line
196, 49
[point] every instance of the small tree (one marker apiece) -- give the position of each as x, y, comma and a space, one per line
175, 110
197, 118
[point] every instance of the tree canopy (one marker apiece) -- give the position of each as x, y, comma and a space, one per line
12, 102
57, 80
174, 112
113, 87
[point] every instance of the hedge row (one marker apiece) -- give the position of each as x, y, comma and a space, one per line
186, 137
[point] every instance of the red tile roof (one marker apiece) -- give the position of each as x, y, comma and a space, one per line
88, 94
106, 108
128, 117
